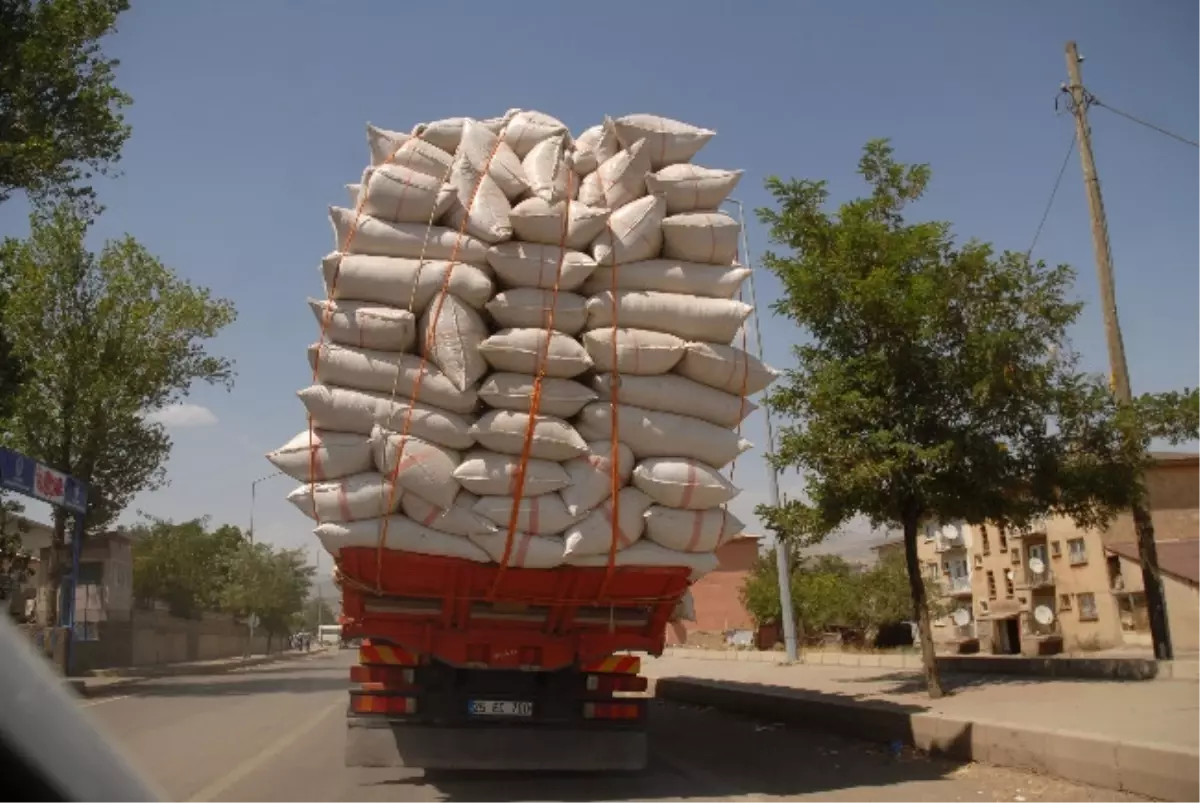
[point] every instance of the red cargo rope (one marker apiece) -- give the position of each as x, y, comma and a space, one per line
536, 399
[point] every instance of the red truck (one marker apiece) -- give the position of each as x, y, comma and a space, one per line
474, 666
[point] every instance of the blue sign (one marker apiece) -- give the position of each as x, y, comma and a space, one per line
29, 477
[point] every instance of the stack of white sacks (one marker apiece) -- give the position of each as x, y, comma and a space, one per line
634, 206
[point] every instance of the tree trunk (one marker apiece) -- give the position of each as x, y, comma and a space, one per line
916, 587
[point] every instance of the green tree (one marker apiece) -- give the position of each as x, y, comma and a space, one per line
270, 584
937, 383
106, 339
1173, 417
316, 612
60, 112
184, 565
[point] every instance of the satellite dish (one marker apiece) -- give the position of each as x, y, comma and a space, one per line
1008, 573
1037, 565
1043, 614
962, 617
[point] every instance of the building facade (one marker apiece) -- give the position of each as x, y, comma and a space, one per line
717, 597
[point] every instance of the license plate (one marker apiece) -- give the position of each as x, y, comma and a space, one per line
499, 708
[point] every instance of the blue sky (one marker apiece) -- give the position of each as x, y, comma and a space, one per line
248, 119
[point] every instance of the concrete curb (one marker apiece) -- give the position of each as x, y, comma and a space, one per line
81, 687
1155, 770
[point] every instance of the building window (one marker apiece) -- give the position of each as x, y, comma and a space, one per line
983, 607
1087, 607
1008, 584
91, 573
1064, 602
1055, 549
983, 541
1077, 549
979, 561
1002, 539
991, 580
928, 532
1016, 556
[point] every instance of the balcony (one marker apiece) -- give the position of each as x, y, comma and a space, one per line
946, 543
957, 587
1042, 579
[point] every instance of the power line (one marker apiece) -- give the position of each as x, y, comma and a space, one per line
1096, 101
1053, 192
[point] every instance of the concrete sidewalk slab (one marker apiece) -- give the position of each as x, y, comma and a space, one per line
1162, 771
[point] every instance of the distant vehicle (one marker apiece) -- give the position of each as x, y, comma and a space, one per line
330, 635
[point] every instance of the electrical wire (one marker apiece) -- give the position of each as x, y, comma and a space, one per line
1053, 192
1097, 102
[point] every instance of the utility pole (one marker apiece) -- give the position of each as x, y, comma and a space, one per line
1156, 602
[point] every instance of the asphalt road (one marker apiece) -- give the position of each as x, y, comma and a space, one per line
277, 732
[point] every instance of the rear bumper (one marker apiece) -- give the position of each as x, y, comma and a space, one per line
378, 742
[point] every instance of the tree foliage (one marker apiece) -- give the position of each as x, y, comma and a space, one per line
829, 593
937, 382
105, 338
316, 612
60, 111
268, 583
1173, 417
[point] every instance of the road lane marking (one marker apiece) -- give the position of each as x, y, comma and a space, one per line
105, 700
223, 784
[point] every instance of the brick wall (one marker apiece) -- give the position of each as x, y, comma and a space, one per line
717, 596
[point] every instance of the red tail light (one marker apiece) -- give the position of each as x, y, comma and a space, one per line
621, 710
382, 704
607, 684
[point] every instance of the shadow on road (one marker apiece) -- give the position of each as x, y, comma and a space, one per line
698, 752
235, 685
909, 683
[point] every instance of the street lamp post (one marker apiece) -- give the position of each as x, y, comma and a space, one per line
253, 490
781, 558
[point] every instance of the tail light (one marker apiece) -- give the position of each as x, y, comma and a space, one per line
365, 703
607, 684
621, 710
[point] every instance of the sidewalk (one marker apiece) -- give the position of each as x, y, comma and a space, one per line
1136, 736
109, 681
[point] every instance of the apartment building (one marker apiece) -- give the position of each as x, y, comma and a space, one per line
1063, 588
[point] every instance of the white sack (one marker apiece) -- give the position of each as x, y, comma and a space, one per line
401, 534
690, 188
708, 237
590, 475
360, 496
539, 515
639, 351
595, 146
480, 147
423, 468
560, 397
652, 433
633, 233
481, 207
593, 535
690, 317
504, 431
670, 276
528, 308
536, 221
528, 551
648, 553
405, 283
725, 368
360, 411
404, 150
388, 372
494, 474
352, 194
527, 128
685, 484
403, 195
375, 237
619, 180
366, 324
522, 350
667, 141
676, 394
325, 455
519, 264
451, 340
459, 519
691, 530
548, 168
447, 134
